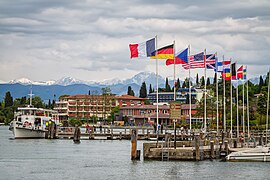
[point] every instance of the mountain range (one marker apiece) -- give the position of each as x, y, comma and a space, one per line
67, 85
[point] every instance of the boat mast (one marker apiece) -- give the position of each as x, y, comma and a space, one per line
31, 95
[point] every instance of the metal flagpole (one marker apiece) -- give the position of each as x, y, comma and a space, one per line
174, 93
157, 83
231, 100
224, 101
243, 103
205, 89
247, 105
217, 90
237, 118
267, 111
189, 83
174, 90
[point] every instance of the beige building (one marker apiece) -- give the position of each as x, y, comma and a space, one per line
85, 106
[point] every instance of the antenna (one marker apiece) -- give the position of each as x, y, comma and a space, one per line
31, 95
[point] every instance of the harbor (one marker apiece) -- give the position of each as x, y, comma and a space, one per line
106, 159
166, 146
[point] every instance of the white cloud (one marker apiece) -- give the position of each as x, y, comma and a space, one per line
89, 40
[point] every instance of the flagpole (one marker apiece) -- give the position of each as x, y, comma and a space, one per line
231, 99
247, 104
224, 101
174, 90
237, 118
174, 94
205, 90
189, 90
157, 83
217, 90
267, 111
243, 103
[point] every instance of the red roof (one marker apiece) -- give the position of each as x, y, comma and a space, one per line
129, 97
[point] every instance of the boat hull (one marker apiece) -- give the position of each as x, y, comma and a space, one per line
27, 133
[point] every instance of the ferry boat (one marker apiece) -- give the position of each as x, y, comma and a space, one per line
30, 122
259, 154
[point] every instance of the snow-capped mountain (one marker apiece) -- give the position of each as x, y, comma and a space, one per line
26, 81
147, 77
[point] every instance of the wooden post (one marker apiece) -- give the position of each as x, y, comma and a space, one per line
226, 147
120, 135
212, 149
197, 148
134, 145
77, 135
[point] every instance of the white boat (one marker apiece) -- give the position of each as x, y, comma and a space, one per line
259, 154
30, 122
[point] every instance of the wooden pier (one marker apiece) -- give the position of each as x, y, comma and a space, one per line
196, 146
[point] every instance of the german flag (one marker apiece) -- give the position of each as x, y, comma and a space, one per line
163, 53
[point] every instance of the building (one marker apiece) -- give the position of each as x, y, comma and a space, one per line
147, 114
85, 106
181, 96
128, 100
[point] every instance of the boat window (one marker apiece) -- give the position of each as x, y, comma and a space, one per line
20, 119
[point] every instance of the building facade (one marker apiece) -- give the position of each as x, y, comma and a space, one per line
181, 96
85, 106
147, 114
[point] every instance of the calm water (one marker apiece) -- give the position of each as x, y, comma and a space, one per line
99, 159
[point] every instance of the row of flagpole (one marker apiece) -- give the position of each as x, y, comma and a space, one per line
205, 94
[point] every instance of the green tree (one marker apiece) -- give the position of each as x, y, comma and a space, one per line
208, 82
260, 83
177, 84
150, 89
261, 107
106, 91
115, 110
197, 79
143, 91
8, 100
167, 86
130, 91
202, 81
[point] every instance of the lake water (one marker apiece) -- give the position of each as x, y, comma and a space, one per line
106, 159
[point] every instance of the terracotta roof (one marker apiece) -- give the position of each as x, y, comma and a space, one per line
83, 96
125, 96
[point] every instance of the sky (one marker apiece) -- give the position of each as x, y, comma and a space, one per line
89, 39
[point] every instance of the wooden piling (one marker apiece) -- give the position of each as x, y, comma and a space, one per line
77, 135
134, 155
226, 147
197, 148
212, 148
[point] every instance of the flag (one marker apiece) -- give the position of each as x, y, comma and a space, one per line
240, 73
195, 61
218, 66
233, 71
226, 73
163, 53
244, 74
144, 49
180, 58
210, 61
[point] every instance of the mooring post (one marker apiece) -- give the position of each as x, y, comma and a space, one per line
226, 147
120, 135
134, 145
197, 148
77, 135
212, 149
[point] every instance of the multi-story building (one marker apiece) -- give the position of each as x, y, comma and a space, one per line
142, 114
85, 106
181, 96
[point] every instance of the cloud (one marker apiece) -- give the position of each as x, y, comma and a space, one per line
88, 39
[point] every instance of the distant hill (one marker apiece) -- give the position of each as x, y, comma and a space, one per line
68, 85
